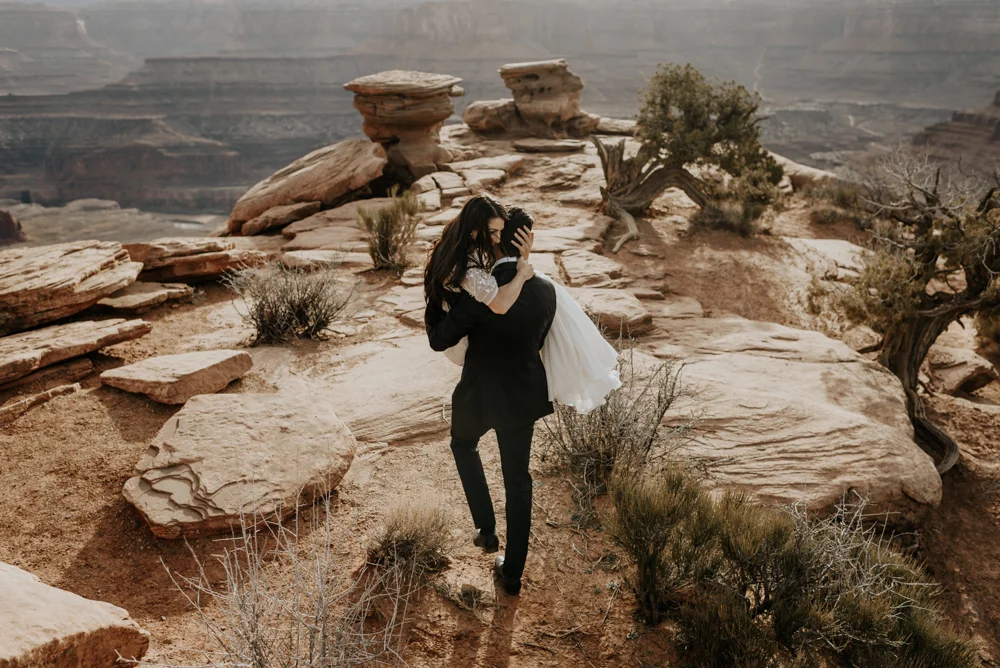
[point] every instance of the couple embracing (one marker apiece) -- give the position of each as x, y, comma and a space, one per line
523, 342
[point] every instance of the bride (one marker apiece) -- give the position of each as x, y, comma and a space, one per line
580, 365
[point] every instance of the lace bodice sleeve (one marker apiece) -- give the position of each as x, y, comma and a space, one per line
480, 284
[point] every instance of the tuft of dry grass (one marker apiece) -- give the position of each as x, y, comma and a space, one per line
284, 304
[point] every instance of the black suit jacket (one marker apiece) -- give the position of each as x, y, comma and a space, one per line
503, 381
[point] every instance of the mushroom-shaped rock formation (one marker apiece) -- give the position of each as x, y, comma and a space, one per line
404, 111
546, 103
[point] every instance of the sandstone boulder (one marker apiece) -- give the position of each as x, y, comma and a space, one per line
478, 180
45, 626
795, 417
616, 126
617, 311
424, 184
404, 111
489, 116
57, 374
585, 236
279, 216
24, 353
173, 379
11, 231
46, 283
547, 97
227, 458
955, 370
586, 269
831, 259
541, 145
506, 163
803, 176
192, 258
345, 215
330, 175
142, 296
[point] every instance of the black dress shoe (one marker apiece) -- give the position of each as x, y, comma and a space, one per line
511, 586
488, 541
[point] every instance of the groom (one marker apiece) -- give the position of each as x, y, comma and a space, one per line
503, 387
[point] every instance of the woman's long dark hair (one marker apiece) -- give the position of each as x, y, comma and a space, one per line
450, 258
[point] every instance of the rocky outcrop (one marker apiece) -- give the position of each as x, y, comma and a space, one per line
46, 283
191, 259
224, 459
546, 103
330, 175
972, 136
173, 379
586, 269
618, 312
404, 112
57, 374
957, 370
44, 626
279, 216
141, 296
803, 176
11, 231
795, 417
27, 352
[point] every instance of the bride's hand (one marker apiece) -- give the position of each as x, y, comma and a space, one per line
523, 240
524, 269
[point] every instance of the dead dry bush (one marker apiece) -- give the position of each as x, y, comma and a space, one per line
730, 216
282, 304
842, 194
621, 433
284, 601
751, 585
391, 230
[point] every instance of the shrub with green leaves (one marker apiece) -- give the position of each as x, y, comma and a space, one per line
391, 230
751, 585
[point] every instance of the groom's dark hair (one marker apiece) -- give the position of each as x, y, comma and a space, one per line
515, 220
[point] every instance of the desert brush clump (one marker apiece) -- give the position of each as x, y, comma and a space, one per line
278, 598
391, 230
730, 216
688, 124
620, 433
282, 303
752, 585
935, 258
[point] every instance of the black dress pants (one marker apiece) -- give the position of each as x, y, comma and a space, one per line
515, 451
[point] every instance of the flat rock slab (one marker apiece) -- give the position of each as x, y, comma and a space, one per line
143, 295
403, 82
326, 175
537, 145
45, 626
617, 311
831, 259
546, 263
224, 458
955, 370
398, 393
21, 354
46, 283
346, 215
615, 126
586, 269
173, 379
279, 216
192, 259
505, 163
585, 236
795, 417
346, 238
482, 179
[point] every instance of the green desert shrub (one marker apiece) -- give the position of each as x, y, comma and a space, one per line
282, 304
391, 230
757, 586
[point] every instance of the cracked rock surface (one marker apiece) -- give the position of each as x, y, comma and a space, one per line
227, 458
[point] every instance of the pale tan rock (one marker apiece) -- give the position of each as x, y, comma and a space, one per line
955, 370
444, 217
399, 392
793, 416
430, 200
429, 233
586, 236
673, 307
483, 179
16, 409
616, 126
581, 197
424, 184
313, 259
344, 238
58, 374
161, 252
831, 259
279, 216
586, 269
452, 195
24, 353
173, 379
507, 163
11, 231
803, 176
491, 116
142, 296
541, 145
861, 338
547, 97
328, 175
45, 626
404, 111
546, 263
647, 294
45, 283
346, 215
227, 457
618, 311
448, 180
192, 259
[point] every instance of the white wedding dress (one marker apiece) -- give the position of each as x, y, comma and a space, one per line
581, 367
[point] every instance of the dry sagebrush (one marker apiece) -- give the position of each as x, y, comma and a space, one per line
282, 304
391, 230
